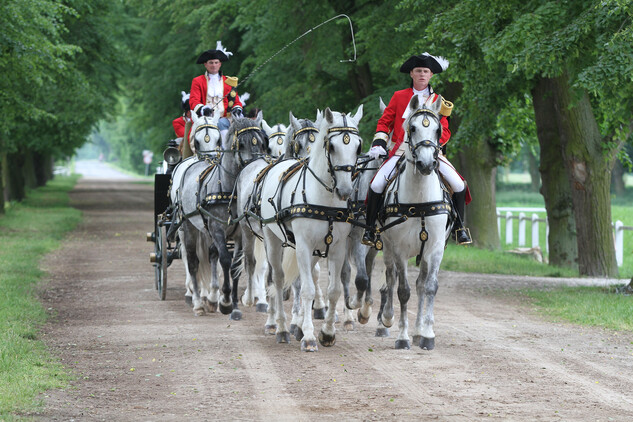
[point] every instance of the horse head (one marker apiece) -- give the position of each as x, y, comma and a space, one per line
338, 146
422, 134
205, 133
245, 141
300, 137
276, 137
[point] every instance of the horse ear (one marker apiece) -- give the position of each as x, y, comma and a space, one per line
294, 122
328, 115
358, 115
266, 127
414, 103
259, 118
382, 105
194, 117
318, 115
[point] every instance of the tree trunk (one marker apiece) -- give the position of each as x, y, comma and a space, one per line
41, 164
479, 165
556, 190
15, 177
617, 178
588, 166
28, 170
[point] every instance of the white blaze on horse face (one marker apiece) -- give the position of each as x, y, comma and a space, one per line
206, 139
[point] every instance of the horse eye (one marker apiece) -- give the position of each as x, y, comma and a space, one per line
412, 128
331, 147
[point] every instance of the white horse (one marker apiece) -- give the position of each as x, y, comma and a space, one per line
276, 136
307, 203
207, 142
416, 212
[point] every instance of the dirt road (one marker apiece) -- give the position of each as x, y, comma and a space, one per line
138, 358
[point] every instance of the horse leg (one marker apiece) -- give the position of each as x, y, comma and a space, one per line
248, 299
271, 325
274, 251
261, 274
308, 290
319, 303
214, 292
236, 270
327, 335
387, 314
404, 293
348, 320
226, 260
365, 310
183, 256
296, 309
190, 241
426, 300
381, 330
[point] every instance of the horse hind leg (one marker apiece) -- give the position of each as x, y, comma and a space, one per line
364, 312
381, 330
190, 241
214, 292
295, 323
236, 271
319, 307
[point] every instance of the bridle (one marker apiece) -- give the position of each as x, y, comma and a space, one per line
346, 131
235, 144
207, 137
425, 142
311, 131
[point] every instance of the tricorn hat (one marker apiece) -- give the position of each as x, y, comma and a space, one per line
436, 64
220, 53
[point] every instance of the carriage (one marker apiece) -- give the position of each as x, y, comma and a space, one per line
166, 241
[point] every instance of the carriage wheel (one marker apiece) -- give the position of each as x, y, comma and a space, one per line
161, 260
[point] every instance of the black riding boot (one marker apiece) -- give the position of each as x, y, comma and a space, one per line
374, 202
462, 234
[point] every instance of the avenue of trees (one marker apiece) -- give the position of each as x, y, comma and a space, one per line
557, 74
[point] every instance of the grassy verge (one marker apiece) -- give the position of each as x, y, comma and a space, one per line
28, 231
594, 306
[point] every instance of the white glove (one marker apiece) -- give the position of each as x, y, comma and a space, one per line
204, 108
376, 151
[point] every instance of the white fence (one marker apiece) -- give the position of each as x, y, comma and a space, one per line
510, 214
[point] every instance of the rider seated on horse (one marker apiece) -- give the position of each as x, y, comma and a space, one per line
420, 68
215, 91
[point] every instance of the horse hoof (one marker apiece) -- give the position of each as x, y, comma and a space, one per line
188, 300
236, 315
362, 319
299, 333
382, 332
387, 322
309, 346
427, 343
293, 329
283, 337
319, 313
261, 307
326, 339
403, 344
198, 312
226, 309
270, 329
348, 325
213, 307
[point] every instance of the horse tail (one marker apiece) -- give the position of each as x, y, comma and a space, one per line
290, 267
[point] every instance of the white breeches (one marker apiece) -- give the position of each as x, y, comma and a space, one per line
446, 169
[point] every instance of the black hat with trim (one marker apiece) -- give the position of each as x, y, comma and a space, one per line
436, 64
220, 53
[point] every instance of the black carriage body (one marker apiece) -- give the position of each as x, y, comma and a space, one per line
161, 193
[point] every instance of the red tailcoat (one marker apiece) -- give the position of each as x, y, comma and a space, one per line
392, 120
179, 127
198, 95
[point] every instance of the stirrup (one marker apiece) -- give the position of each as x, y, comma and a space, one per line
466, 231
368, 238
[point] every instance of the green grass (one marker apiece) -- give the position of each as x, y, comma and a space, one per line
593, 306
28, 231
